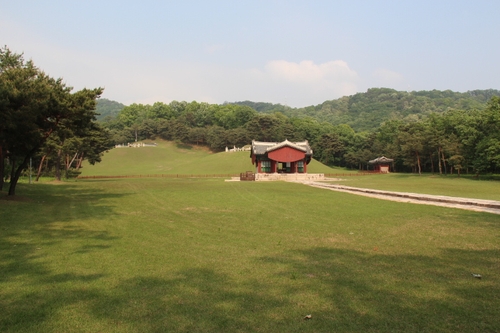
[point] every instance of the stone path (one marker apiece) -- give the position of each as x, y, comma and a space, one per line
490, 206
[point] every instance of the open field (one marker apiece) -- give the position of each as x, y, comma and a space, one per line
204, 255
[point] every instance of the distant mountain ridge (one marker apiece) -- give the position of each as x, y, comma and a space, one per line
108, 109
362, 111
368, 110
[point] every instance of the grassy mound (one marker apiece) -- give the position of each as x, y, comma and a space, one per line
171, 158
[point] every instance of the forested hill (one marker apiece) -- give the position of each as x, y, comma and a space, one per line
367, 111
108, 109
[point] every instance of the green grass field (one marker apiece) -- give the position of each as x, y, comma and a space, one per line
451, 185
204, 255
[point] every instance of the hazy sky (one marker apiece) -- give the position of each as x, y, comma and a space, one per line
297, 53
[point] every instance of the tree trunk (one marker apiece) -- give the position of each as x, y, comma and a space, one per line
15, 175
418, 163
69, 163
79, 164
40, 167
2, 169
13, 168
58, 165
444, 161
439, 161
432, 163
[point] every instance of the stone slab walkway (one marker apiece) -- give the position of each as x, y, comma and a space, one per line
489, 206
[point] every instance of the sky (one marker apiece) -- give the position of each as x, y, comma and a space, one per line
296, 53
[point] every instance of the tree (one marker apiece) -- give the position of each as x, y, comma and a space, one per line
33, 107
8, 62
216, 138
411, 140
197, 135
329, 149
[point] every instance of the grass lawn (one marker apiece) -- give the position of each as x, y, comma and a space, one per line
204, 255
466, 187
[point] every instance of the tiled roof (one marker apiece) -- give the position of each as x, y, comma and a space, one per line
382, 159
260, 147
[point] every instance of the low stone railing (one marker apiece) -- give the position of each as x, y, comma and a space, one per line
289, 176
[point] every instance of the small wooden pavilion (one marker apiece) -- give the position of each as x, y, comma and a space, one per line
281, 157
381, 164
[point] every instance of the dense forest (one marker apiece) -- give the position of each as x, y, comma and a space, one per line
425, 131
367, 111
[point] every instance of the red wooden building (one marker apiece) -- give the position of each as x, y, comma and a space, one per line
381, 164
281, 157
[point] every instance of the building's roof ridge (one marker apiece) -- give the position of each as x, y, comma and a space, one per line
262, 147
381, 159
286, 143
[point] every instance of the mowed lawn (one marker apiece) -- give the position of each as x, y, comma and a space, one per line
204, 255
451, 185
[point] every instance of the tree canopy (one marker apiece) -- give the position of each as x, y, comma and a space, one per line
36, 109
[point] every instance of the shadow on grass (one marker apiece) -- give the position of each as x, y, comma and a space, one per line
403, 293
343, 290
30, 226
180, 145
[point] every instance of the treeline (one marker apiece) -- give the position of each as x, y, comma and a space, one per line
449, 141
44, 122
368, 110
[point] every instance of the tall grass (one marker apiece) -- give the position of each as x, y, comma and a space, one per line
193, 255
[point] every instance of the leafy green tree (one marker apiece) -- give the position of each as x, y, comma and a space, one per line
33, 107
411, 140
264, 128
216, 138
307, 128
385, 142
238, 137
197, 135
358, 151
147, 129
487, 144
161, 110
10, 65
329, 149
134, 114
